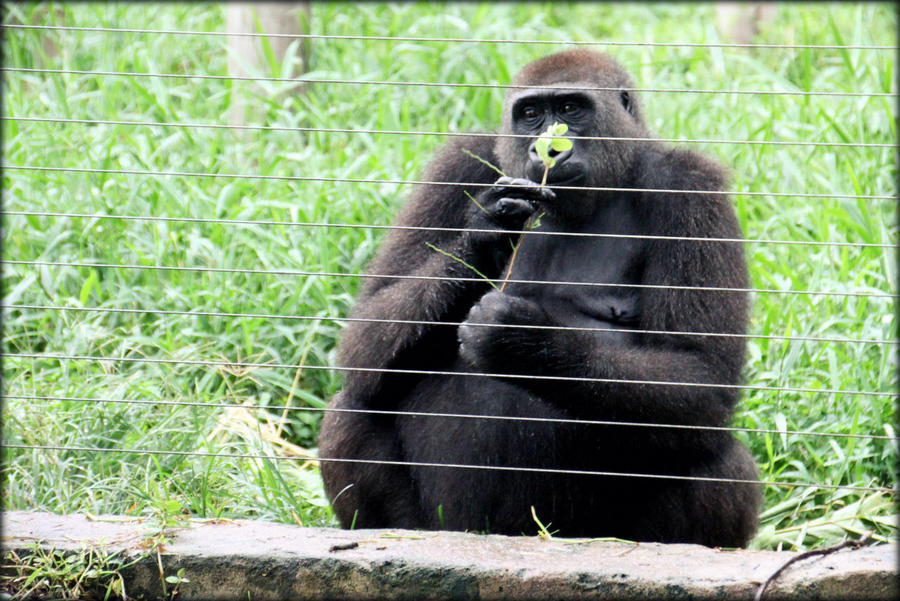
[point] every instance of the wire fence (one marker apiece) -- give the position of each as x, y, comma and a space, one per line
18, 360
414, 228
315, 36
344, 180
462, 466
442, 84
431, 372
433, 278
584, 422
270, 316
448, 134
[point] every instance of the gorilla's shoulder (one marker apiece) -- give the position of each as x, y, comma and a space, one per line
696, 211
458, 160
684, 169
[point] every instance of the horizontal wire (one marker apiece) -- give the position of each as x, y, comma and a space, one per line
504, 468
299, 178
441, 84
580, 422
445, 323
331, 130
425, 372
535, 232
292, 272
314, 36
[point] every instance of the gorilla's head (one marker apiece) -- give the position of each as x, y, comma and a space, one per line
612, 111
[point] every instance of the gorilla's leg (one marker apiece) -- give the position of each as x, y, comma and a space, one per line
364, 493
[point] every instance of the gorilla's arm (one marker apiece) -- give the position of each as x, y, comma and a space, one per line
393, 345
651, 357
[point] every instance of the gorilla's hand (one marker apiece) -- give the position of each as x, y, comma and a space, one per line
493, 349
501, 214
510, 202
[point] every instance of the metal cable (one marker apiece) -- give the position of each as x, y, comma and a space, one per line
504, 468
425, 372
446, 40
375, 226
580, 422
291, 272
305, 80
331, 130
299, 178
444, 323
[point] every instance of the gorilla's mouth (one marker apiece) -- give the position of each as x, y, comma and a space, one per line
567, 174
565, 179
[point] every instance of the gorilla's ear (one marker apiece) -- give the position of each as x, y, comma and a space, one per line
626, 101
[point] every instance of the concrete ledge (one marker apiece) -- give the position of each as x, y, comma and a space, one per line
243, 559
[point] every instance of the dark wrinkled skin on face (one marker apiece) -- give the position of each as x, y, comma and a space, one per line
587, 336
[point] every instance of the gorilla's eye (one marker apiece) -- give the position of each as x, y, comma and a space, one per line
530, 113
626, 102
569, 108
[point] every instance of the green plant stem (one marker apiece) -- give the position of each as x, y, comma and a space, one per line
512, 261
458, 260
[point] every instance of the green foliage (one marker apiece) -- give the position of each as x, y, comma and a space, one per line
221, 484
547, 142
50, 574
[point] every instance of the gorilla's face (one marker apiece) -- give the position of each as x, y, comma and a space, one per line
606, 114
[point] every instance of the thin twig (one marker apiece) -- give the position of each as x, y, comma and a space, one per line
484, 161
344, 547
512, 261
462, 262
854, 544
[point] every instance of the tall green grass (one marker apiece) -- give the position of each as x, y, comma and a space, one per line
220, 484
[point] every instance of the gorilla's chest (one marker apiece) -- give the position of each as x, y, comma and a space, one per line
583, 280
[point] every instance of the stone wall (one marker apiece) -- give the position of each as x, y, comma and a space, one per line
240, 559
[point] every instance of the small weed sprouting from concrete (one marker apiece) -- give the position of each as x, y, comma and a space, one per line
543, 531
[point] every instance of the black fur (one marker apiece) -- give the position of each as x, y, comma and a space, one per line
377, 495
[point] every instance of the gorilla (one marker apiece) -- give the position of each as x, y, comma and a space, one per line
591, 328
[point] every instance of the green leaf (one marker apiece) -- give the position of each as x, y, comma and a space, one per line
534, 223
548, 140
561, 144
542, 147
85, 292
